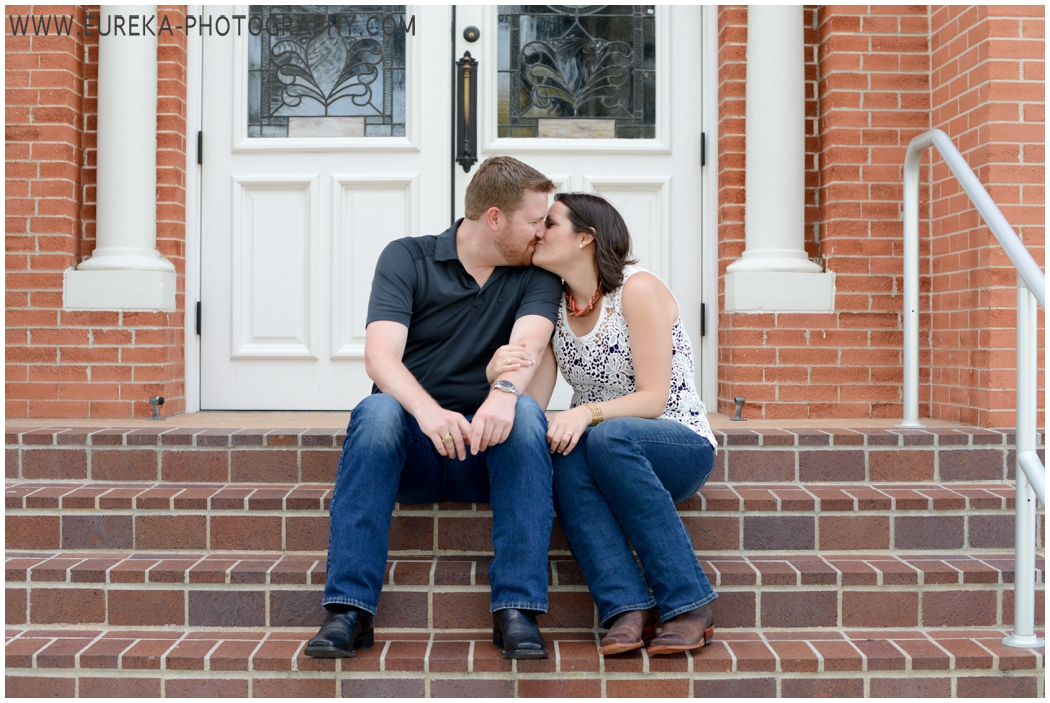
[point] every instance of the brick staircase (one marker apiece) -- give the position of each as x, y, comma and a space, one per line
190, 562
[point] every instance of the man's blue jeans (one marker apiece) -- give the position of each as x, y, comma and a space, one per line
387, 458
622, 481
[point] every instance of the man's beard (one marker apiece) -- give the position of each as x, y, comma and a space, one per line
514, 257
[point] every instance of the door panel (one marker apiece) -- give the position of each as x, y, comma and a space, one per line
644, 206
361, 207
321, 145
274, 281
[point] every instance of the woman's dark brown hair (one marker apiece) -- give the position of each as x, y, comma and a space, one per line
593, 214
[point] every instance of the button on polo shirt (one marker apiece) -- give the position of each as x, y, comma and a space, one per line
454, 326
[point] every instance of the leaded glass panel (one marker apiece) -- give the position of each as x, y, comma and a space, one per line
326, 71
577, 71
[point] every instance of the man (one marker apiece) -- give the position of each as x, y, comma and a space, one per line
434, 429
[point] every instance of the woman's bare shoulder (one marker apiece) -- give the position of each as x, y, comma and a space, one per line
643, 292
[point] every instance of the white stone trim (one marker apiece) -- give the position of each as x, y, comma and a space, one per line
780, 291
118, 290
774, 210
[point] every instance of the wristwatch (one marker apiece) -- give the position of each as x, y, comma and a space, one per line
506, 387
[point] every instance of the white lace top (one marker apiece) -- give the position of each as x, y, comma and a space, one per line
599, 367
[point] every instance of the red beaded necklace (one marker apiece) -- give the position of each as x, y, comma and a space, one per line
578, 312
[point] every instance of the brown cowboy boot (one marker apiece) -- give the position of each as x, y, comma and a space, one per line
687, 631
629, 630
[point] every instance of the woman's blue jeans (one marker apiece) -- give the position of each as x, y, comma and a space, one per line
621, 482
387, 458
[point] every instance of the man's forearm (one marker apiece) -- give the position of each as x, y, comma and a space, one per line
393, 378
534, 333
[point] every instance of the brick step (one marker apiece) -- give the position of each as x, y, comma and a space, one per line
723, 518
769, 663
311, 456
313, 497
271, 590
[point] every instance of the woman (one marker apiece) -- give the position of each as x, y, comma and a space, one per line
636, 439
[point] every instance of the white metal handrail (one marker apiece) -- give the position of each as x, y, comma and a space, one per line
1031, 291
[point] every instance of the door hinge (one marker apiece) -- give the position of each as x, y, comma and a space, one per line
200, 147
703, 149
198, 317
703, 319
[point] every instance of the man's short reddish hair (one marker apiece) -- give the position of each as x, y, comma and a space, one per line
501, 181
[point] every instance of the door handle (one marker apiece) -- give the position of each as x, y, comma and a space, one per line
467, 112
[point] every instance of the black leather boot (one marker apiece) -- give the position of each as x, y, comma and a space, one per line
518, 635
341, 634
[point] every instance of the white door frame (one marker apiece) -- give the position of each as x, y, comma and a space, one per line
192, 292
708, 382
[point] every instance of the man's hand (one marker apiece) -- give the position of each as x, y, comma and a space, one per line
384, 346
493, 421
439, 424
495, 418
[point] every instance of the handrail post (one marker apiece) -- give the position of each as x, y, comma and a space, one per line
1021, 258
1025, 523
912, 162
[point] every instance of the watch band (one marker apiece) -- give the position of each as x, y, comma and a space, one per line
506, 387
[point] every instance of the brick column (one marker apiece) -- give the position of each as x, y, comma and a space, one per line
125, 271
74, 363
774, 272
868, 75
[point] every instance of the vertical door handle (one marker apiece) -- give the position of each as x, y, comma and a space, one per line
467, 112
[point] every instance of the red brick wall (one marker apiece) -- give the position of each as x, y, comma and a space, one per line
44, 123
988, 96
868, 94
741, 366
874, 98
67, 363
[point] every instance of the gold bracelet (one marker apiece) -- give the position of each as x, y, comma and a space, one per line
596, 414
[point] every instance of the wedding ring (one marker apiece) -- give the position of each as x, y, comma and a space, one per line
447, 440
567, 434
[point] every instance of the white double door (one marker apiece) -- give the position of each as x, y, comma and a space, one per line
291, 227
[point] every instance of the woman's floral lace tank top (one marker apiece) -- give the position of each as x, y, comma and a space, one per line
599, 367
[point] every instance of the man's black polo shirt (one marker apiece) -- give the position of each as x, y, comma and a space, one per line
454, 327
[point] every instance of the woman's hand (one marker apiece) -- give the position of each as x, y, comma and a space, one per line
565, 429
509, 357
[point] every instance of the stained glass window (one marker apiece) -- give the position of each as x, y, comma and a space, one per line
577, 71
326, 71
